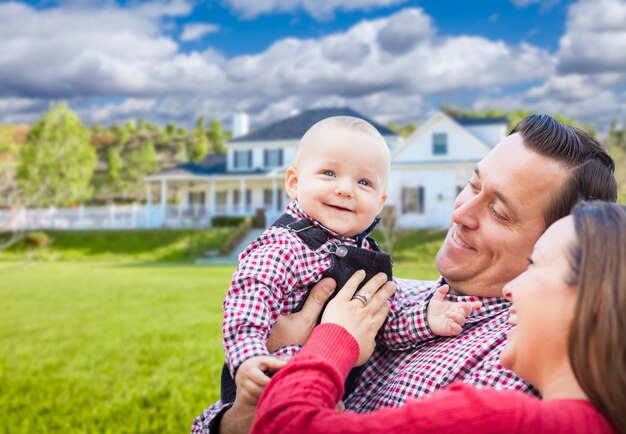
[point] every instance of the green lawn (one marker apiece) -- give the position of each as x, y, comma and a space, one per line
154, 245
104, 347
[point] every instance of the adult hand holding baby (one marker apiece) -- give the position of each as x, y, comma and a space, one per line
361, 312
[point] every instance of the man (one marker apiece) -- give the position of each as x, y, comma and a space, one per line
530, 179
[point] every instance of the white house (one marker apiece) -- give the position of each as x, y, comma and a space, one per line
434, 164
428, 170
249, 177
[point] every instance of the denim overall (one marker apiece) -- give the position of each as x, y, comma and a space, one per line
346, 260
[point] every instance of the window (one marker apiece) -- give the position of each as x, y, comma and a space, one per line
440, 144
267, 197
243, 159
196, 198
413, 200
272, 157
220, 198
236, 198
279, 199
248, 199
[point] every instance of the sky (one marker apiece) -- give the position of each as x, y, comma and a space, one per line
392, 60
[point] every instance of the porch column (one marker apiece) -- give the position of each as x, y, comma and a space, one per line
163, 200
212, 199
274, 198
148, 194
242, 196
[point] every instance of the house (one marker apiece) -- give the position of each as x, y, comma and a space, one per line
431, 167
427, 170
250, 176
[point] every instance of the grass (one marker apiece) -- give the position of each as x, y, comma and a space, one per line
111, 347
157, 245
98, 348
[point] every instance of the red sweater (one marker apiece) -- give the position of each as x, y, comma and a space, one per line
301, 399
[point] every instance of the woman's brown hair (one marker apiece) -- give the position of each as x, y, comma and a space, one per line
597, 339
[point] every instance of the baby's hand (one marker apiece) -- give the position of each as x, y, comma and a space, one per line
251, 377
446, 318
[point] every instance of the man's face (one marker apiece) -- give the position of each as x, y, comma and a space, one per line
498, 217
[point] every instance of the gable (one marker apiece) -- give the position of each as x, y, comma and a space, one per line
461, 144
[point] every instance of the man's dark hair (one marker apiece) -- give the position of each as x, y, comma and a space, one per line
591, 167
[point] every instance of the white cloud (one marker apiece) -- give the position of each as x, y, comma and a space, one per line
389, 68
545, 4
194, 31
595, 39
590, 72
127, 109
317, 9
73, 53
597, 15
407, 29
566, 88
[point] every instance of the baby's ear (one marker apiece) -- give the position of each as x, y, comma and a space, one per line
291, 182
383, 200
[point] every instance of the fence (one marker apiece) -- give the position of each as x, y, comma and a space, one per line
111, 217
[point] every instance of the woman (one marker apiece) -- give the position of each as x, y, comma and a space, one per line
568, 341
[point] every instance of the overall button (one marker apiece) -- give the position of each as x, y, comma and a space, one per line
341, 251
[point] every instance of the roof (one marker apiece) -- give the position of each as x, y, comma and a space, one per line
295, 126
211, 164
471, 122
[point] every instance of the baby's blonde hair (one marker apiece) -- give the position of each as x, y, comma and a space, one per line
347, 122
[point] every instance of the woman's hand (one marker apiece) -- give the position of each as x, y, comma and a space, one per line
361, 314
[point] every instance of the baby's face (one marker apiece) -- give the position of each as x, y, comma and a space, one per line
340, 179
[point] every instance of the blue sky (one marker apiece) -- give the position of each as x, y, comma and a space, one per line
394, 60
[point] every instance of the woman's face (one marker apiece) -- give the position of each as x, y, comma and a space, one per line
543, 306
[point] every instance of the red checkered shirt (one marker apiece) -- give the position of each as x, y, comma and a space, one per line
421, 363
272, 278
391, 377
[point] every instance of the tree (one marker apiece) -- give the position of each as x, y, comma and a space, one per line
616, 135
199, 146
114, 164
58, 155
216, 136
387, 227
404, 131
147, 156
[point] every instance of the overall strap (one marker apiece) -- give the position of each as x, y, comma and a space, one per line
311, 235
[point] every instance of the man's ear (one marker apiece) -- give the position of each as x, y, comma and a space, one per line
291, 182
383, 200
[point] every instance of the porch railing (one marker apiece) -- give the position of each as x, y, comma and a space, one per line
117, 217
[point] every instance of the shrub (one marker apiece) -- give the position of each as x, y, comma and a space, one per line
227, 221
37, 240
239, 234
259, 219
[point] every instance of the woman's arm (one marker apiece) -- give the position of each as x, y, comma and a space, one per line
301, 399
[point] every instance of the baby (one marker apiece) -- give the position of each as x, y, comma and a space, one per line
338, 186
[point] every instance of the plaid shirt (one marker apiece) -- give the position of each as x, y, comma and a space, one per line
413, 362
271, 279
473, 357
